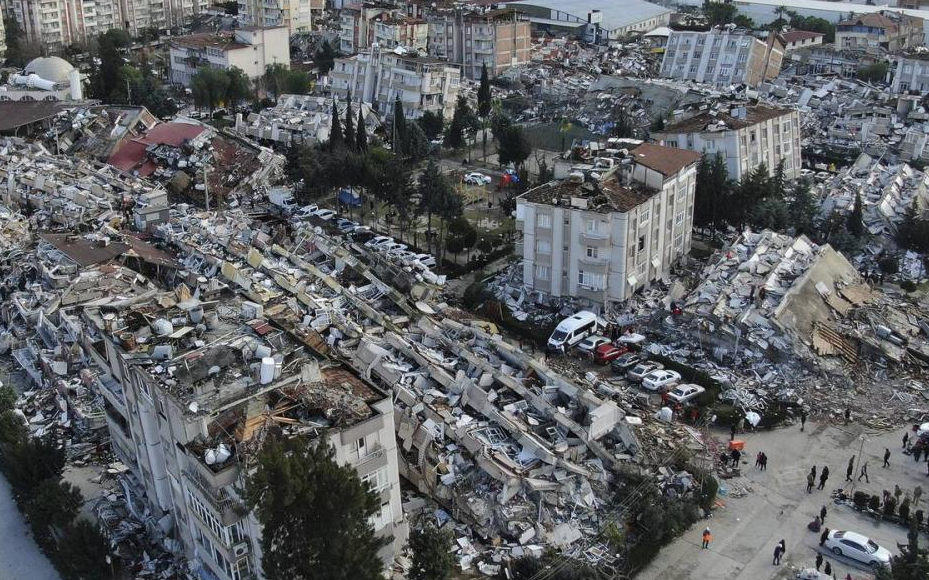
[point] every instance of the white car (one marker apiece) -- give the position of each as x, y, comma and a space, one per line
426, 261
390, 247
857, 547
305, 212
325, 214
685, 393
638, 372
378, 241
476, 178
655, 380
590, 344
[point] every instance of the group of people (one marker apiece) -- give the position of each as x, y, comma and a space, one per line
917, 447
761, 461
811, 479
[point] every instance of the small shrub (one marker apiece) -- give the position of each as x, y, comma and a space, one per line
908, 285
860, 499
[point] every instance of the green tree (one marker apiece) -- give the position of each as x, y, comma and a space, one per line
349, 124
431, 124
461, 236
802, 207
770, 213
398, 133
484, 106
314, 514
855, 222
514, 146
335, 131
324, 57
464, 123
209, 87
8, 398
361, 135
240, 86
29, 462
55, 505
432, 559
433, 188
499, 122
109, 81
82, 552
873, 73
18, 50
912, 563
415, 143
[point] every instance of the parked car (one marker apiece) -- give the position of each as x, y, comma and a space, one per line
685, 393
656, 380
638, 372
608, 352
477, 178
426, 261
857, 547
390, 247
590, 344
325, 214
378, 240
305, 212
626, 362
346, 226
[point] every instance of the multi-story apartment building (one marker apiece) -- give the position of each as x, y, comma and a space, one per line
188, 408
2, 38
747, 136
911, 73
357, 22
251, 49
376, 76
501, 39
296, 15
721, 57
599, 241
884, 30
57, 23
393, 31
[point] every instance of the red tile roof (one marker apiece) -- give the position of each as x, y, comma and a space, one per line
798, 35
131, 155
665, 160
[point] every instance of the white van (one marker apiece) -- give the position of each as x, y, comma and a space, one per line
573, 329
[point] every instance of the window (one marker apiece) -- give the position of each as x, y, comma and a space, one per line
679, 241
644, 215
679, 218
377, 479
590, 280
641, 245
543, 247
693, 69
543, 220
593, 226
593, 252
358, 446
543, 272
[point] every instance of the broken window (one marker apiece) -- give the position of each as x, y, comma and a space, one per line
641, 243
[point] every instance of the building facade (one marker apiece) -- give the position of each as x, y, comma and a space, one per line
422, 83
745, 136
796, 39
297, 15
190, 432
885, 30
250, 49
357, 22
391, 32
599, 241
911, 73
501, 39
721, 58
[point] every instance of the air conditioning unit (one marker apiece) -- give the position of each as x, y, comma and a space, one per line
240, 550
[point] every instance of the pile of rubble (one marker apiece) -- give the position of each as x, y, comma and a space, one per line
300, 119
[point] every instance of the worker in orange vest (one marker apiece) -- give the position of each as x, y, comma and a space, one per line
707, 537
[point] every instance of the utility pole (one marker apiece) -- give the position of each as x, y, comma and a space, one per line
858, 464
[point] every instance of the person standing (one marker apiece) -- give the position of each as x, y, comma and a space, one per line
824, 536
906, 438
886, 457
848, 415
864, 473
917, 494
732, 432
778, 552
823, 477
809, 482
707, 538
828, 569
802, 419
813, 472
917, 449
764, 461
819, 561
850, 469
822, 514
758, 460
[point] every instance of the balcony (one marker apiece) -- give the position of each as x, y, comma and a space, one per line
229, 508
595, 235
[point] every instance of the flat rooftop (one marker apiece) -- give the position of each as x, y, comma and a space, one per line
607, 196
701, 122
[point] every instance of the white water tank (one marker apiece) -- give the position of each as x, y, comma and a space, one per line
267, 370
222, 453
162, 327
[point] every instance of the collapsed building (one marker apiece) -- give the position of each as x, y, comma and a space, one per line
300, 119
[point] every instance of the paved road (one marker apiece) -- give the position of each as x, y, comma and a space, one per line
746, 530
20, 558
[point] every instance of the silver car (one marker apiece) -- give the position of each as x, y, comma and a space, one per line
638, 372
